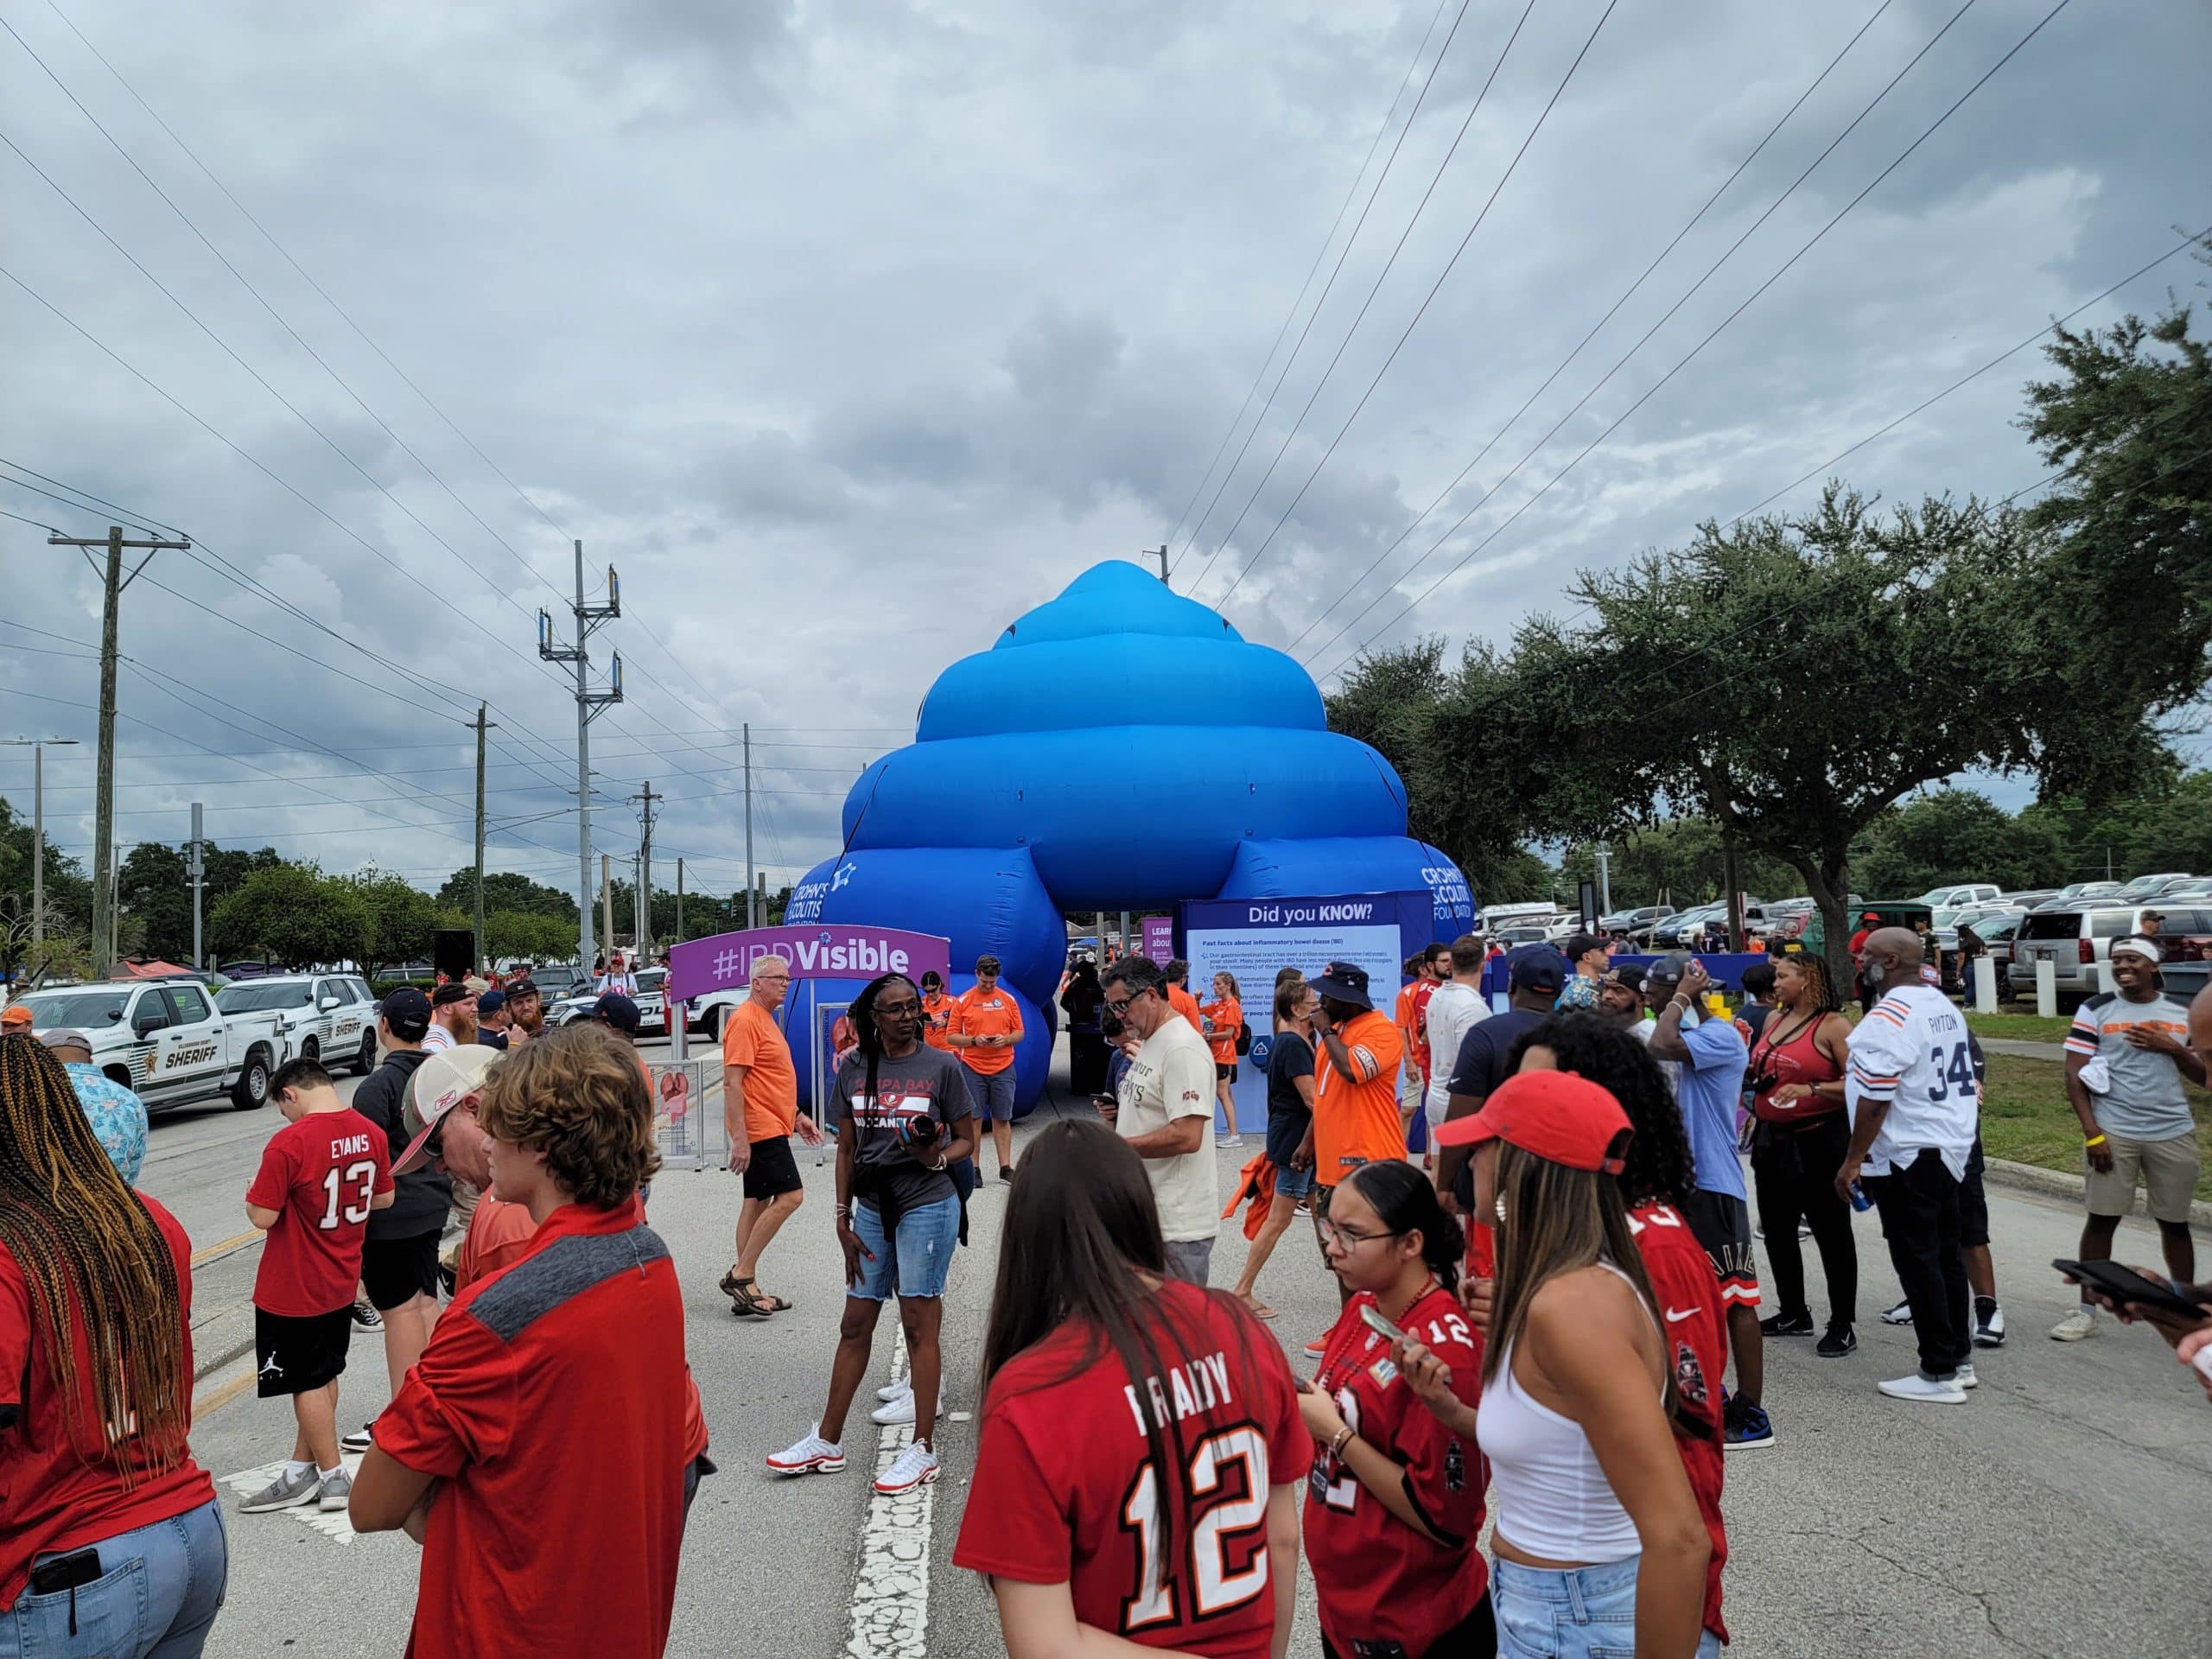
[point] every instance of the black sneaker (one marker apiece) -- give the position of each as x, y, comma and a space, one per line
1841, 1340
1745, 1428
366, 1317
1788, 1325
1006, 1172
358, 1440
1988, 1322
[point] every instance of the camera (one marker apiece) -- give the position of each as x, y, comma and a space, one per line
919, 1134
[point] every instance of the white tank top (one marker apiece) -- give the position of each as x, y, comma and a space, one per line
1553, 1501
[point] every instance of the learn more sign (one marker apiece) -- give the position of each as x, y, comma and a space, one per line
821, 950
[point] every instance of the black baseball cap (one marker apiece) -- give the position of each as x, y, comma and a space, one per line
445, 995
407, 1011
1536, 967
618, 1011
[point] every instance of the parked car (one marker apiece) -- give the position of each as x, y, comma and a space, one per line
2149, 887
653, 1002
326, 1017
1635, 922
1945, 924
166, 1039
556, 980
2076, 943
1997, 930
2028, 900
1964, 892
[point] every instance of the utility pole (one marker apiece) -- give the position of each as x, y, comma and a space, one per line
1159, 553
637, 907
645, 800
37, 747
482, 726
114, 904
103, 810
752, 915
1734, 912
1605, 879
198, 870
589, 704
679, 901
607, 900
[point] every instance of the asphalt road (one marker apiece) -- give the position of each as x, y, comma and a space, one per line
2061, 1511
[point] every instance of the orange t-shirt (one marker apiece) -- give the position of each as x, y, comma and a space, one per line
752, 1040
1227, 1015
993, 1015
1355, 1118
937, 1020
499, 1236
1186, 1005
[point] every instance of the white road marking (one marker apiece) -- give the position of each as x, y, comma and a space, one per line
891, 1587
333, 1525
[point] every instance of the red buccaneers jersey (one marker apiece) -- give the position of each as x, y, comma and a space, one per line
1697, 1345
1379, 1580
1065, 1492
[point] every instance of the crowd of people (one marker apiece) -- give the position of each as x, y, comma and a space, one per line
1538, 1220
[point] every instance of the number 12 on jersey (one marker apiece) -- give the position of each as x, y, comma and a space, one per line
1232, 1524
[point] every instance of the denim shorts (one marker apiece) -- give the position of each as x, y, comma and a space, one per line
159, 1589
1293, 1183
1582, 1613
916, 1261
993, 1094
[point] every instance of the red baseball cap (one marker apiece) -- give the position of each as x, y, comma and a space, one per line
1555, 1114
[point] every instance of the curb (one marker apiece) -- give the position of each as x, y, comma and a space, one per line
2063, 1184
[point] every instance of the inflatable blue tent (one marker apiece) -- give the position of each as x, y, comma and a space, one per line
1121, 747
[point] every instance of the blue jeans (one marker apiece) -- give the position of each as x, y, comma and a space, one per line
156, 1597
1583, 1612
916, 1259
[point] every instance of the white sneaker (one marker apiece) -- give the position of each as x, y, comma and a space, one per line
896, 1387
2081, 1323
812, 1455
916, 1466
337, 1491
1916, 1387
1965, 1378
1901, 1315
899, 1408
1229, 1141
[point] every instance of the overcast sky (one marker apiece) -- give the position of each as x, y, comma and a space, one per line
847, 333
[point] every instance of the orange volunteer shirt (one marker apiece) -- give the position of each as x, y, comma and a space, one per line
997, 1014
1186, 1005
1356, 1118
752, 1040
1226, 1014
937, 1020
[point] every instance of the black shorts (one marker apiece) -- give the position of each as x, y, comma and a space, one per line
294, 1354
1225, 1073
397, 1270
1723, 1225
1973, 1203
772, 1171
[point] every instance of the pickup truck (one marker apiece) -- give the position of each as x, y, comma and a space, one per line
165, 1040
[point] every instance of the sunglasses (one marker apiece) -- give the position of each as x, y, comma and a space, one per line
1117, 1009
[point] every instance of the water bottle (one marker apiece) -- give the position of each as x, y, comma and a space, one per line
1858, 1199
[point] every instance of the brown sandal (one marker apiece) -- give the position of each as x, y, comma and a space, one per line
744, 1302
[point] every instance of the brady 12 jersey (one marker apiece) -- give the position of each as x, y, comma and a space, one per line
1381, 1582
1066, 1491
1695, 1330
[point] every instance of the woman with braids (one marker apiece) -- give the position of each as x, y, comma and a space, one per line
1396, 1496
1598, 1541
1795, 1078
906, 1122
1137, 1483
111, 1542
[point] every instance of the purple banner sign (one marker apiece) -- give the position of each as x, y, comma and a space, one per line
1159, 938
819, 950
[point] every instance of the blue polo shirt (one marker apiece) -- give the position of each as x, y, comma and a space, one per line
1708, 1087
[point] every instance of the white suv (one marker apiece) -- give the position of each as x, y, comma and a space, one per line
326, 1017
1957, 898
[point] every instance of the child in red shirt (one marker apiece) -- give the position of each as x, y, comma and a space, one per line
321, 1175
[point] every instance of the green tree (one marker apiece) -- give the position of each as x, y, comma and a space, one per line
1944, 835
402, 918
506, 890
68, 894
2130, 420
295, 915
535, 938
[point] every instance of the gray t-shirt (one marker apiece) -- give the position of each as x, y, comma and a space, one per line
2145, 1102
929, 1080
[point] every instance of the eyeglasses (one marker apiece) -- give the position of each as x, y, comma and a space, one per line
769, 979
896, 1010
1117, 1009
1331, 1234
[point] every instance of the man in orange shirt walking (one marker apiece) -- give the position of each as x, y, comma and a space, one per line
986, 1026
1178, 974
760, 1111
1355, 1089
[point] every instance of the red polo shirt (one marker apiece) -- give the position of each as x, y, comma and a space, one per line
553, 1401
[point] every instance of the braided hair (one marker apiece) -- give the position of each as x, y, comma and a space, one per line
93, 1259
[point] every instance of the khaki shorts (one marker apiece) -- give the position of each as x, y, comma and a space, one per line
2169, 1172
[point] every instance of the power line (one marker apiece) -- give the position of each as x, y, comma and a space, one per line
1628, 294
1746, 305
1419, 207
1327, 288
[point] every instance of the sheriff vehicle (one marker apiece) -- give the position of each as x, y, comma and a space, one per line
326, 1017
166, 1039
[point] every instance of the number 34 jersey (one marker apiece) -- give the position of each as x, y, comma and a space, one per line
1912, 1051
1381, 1582
1066, 1491
322, 1174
